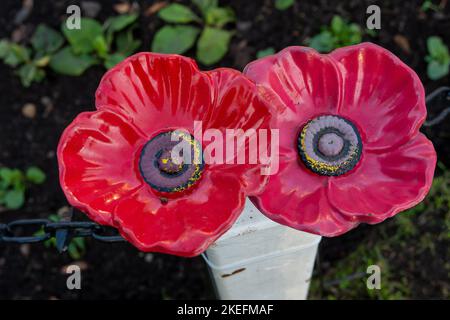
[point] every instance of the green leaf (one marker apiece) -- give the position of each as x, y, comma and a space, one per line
79, 242
174, 39
177, 13
213, 45
338, 34
119, 23
46, 40
16, 55
205, 5
17, 180
35, 175
435, 70
323, 42
42, 62
6, 177
337, 25
73, 251
283, 4
66, 62
355, 34
434, 45
14, 199
4, 48
12, 178
113, 59
438, 50
83, 40
219, 17
101, 47
126, 44
29, 73
265, 52
54, 218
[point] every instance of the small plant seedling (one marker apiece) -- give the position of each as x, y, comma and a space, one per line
338, 34
30, 62
283, 4
77, 246
438, 58
13, 184
92, 44
207, 29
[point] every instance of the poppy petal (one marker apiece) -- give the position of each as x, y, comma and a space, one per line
386, 183
183, 226
238, 110
297, 198
381, 94
298, 84
156, 91
236, 105
96, 155
298, 78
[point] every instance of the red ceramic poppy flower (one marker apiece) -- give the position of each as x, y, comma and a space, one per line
115, 164
350, 146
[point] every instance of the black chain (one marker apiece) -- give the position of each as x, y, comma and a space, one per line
438, 99
39, 230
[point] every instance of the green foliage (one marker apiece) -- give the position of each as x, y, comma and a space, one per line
125, 43
119, 23
13, 184
438, 58
30, 73
35, 175
77, 246
211, 37
67, 62
83, 40
46, 40
112, 59
347, 279
429, 5
92, 44
265, 52
30, 62
212, 45
178, 13
398, 246
205, 5
283, 4
174, 39
338, 34
219, 17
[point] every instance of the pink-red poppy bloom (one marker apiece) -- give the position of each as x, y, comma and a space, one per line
115, 162
350, 146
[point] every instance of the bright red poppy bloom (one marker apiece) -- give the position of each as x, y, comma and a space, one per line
115, 165
350, 146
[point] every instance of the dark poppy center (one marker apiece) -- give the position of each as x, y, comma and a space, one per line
329, 145
167, 164
171, 161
